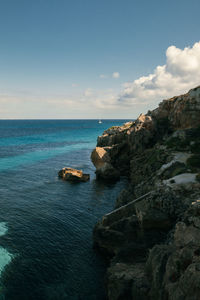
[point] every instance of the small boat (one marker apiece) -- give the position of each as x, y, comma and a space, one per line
100, 121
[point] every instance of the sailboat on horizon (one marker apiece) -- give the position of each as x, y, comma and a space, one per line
100, 121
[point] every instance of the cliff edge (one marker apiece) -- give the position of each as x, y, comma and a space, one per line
152, 238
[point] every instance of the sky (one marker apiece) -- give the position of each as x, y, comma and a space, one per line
88, 59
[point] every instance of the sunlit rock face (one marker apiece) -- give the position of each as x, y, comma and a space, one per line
70, 174
118, 143
182, 111
101, 159
152, 240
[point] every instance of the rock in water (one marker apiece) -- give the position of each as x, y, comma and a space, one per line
71, 174
104, 169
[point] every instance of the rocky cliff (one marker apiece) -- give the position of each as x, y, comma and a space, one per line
152, 238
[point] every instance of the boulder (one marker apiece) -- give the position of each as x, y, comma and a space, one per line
70, 174
104, 169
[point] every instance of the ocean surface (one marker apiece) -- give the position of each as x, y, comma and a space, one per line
45, 223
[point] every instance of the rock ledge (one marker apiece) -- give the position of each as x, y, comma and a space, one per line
152, 238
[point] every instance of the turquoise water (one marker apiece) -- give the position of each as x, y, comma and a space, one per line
45, 223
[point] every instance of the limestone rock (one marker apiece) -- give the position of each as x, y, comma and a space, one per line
127, 281
74, 175
155, 269
152, 239
104, 169
182, 112
100, 156
141, 135
114, 135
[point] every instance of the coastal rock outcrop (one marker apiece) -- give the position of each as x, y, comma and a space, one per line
101, 159
70, 174
111, 156
151, 239
182, 111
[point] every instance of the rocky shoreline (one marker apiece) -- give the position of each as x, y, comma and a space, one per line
152, 238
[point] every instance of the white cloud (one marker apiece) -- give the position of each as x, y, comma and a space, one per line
88, 92
102, 76
180, 73
115, 75
74, 85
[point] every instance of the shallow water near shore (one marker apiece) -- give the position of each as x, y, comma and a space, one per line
46, 224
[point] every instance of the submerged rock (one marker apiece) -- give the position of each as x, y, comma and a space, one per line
70, 174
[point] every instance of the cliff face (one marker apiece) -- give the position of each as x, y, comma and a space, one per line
152, 238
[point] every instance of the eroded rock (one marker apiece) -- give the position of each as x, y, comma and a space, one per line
70, 174
154, 243
104, 170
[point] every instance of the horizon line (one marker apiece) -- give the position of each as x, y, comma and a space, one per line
40, 119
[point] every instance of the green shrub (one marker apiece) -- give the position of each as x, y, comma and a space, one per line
195, 148
190, 142
193, 162
175, 169
177, 144
198, 177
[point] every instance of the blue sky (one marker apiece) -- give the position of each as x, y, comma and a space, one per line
79, 59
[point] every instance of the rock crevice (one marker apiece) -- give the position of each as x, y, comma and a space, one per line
152, 239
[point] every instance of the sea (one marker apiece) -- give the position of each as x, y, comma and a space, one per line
46, 224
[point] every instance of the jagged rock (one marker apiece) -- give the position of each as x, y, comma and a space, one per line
155, 269
127, 281
153, 218
114, 135
182, 112
174, 169
104, 169
125, 196
174, 269
141, 135
70, 174
154, 243
107, 240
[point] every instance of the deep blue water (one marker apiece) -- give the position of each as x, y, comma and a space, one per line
45, 223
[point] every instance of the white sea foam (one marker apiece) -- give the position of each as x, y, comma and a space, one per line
3, 228
5, 256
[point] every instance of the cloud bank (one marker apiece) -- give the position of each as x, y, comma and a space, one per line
180, 73
103, 76
115, 75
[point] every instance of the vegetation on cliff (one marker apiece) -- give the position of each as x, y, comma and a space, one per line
152, 239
